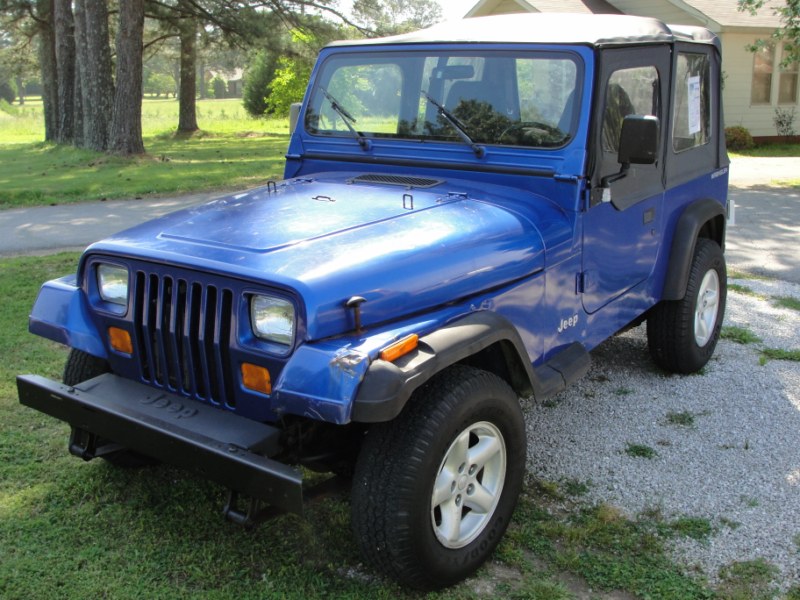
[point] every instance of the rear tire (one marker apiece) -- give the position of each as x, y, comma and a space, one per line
81, 366
434, 489
682, 334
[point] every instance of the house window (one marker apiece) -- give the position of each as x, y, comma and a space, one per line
763, 66
787, 82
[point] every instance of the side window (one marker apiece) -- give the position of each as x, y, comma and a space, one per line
692, 106
633, 91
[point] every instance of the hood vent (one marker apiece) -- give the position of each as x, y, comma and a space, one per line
403, 180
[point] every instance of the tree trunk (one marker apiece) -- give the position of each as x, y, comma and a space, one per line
47, 62
65, 69
126, 122
20, 89
97, 87
201, 71
187, 108
81, 58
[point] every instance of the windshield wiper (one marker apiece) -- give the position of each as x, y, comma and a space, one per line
460, 128
347, 118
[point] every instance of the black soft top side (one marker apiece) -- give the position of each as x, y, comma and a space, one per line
550, 28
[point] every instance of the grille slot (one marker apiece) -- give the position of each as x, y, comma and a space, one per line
183, 333
403, 180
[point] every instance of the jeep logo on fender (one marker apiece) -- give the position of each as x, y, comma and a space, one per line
567, 323
177, 409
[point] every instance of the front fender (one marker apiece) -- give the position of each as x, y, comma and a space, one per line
61, 314
387, 386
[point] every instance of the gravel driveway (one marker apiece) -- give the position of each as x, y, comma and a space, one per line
735, 460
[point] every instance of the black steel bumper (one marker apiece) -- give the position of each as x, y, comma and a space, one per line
224, 447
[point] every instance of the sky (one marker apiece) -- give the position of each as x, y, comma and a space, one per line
455, 9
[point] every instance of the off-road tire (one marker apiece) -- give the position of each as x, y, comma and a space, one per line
672, 334
81, 366
393, 513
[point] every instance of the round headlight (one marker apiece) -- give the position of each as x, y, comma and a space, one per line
112, 283
272, 319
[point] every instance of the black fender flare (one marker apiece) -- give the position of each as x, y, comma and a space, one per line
704, 218
387, 386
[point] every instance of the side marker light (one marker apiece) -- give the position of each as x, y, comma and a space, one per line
256, 378
400, 348
120, 340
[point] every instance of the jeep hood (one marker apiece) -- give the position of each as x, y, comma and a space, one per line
328, 239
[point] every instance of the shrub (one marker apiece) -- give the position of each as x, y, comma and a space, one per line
256, 83
7, 91
784, 121
219, 87
738, 138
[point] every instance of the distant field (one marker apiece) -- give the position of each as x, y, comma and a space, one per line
231, 151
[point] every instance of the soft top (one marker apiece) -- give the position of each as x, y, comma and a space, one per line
549, 28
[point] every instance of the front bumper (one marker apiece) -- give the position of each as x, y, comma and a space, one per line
226, 448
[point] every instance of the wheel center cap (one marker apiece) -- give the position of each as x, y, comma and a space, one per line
462, 482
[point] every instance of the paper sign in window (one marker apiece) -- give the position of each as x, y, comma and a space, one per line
694, 104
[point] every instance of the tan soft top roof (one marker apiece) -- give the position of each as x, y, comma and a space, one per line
549, 28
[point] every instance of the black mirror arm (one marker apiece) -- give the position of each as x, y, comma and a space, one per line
606, 181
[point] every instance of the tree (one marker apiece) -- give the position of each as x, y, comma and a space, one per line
187, 111
64, 27
126, 121
789, 33
257, 78
94, 67
386, 17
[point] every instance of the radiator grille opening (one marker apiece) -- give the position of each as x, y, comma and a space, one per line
183, 333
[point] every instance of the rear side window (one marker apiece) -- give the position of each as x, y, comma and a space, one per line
692, 118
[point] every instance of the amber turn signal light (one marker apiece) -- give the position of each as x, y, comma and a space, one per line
400, 348
120, 340
256, 378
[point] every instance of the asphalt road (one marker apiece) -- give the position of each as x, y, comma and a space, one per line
763, 238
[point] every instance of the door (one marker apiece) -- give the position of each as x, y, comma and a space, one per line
622, 224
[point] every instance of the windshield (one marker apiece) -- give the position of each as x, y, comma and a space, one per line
499, 98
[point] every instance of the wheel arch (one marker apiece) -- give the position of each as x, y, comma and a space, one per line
485, 340
701, 219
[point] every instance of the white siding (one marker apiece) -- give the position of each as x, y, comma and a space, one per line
657, 9
737, 64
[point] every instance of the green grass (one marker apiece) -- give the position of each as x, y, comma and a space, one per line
781, 354
231, 151
640, 451
740, 335
88, 530
736, 274
787, 302
748, 580
684, 418
770, 151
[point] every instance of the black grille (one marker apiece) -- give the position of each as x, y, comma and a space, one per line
183, 334
404, 180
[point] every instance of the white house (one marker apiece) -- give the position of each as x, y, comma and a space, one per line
755, 83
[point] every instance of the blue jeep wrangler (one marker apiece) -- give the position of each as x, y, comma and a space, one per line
466, 212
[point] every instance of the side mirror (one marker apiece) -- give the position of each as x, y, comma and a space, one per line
638, 145
294, 116
638, 141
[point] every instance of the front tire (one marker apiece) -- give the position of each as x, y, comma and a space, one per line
683, 334
434, 489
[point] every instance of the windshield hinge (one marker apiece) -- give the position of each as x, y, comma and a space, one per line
566, 178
